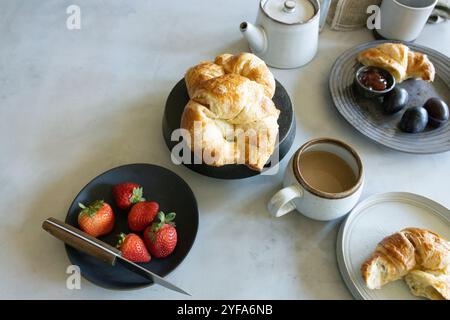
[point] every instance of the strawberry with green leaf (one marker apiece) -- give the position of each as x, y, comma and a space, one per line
161, 237
141, 215
126, 194
96, 219
133, 248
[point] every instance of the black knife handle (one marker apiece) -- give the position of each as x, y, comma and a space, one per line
81, 240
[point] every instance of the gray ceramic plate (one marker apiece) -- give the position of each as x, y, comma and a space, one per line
375, 218
366, 115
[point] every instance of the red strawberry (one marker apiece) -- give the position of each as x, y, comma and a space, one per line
133, 248
126, 194
97, 219
161, 237
142, 214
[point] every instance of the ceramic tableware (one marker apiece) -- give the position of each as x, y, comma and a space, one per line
369, 92
286, 33
404, 19
366, 115
160, 185
299, 194
375, 218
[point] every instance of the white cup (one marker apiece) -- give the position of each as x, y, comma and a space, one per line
404, 19
299, 195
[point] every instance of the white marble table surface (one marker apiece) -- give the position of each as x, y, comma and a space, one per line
76, 103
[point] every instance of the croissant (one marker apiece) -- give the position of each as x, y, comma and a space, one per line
203, 71
410, 249
399, 60
251, 67
230, 117
431, 285
419, 66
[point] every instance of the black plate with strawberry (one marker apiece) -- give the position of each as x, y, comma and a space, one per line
161, 186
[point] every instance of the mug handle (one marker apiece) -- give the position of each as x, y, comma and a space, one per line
281, 202
324, 8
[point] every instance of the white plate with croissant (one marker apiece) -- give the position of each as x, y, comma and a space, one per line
395, 246
423, 72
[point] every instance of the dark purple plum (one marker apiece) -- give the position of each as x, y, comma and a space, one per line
414, 120
438, 113
395, 100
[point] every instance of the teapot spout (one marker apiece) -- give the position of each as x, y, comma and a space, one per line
255, 37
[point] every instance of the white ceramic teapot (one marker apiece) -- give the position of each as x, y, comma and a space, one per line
286, 32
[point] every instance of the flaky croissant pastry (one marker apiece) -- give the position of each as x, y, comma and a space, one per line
429, 284
231, 117
399, 60
410, 249
420, 67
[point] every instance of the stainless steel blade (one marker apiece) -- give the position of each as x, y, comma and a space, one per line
148, 274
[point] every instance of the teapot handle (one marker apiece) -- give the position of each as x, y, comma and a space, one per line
324, 8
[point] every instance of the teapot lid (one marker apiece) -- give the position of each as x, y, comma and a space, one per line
289, 11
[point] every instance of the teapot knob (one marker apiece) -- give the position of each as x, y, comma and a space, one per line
289, 6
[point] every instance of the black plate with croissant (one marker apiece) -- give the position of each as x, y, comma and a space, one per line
223, 99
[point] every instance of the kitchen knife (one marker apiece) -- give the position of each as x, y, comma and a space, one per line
101, 250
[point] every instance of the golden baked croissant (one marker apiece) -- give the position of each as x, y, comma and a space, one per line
429, 284
203, 71
399, 60
245, 64
249, 66
419, 66
231, 118
395, 256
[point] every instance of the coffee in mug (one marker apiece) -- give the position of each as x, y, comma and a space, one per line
323, 181
326, 171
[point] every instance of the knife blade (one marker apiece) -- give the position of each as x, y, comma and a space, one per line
101, 250
149, 275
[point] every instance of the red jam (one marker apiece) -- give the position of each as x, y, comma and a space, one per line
373, 80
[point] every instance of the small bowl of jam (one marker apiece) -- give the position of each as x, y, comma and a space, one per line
373, 82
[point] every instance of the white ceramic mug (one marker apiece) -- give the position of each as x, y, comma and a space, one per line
299, 195
404, 19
